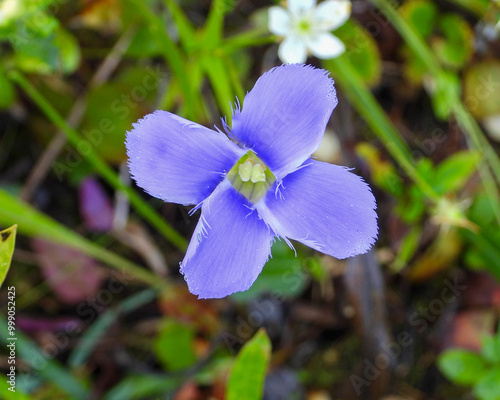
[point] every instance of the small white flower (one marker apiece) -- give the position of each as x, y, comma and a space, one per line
306, 28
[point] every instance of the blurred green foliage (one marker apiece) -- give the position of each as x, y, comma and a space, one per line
481, 371
86, 72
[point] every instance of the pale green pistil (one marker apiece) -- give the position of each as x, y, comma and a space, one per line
304, 26
251, 177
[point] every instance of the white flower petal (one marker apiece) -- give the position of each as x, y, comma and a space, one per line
279, 21
299, 7
293, 50
331, 14
326, 46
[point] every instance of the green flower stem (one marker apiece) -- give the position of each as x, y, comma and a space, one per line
421, 50
359, 95
142, 207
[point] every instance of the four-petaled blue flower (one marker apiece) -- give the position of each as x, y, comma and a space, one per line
260, 185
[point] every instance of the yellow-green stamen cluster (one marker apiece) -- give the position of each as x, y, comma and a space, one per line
251, 177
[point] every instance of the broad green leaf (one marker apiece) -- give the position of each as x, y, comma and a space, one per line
481, 211
454, 172
484, 252
361, 51
488, 388
7, 244
462, 366
36, 55
491, 349
174, 345
457, 46
246, 381
282, 275
420, 14
481, 89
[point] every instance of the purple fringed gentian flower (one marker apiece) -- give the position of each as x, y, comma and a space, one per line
258, 186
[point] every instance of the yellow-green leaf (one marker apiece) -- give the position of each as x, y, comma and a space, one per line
361, 51
420, 14
7, 243
457, 46
246, 381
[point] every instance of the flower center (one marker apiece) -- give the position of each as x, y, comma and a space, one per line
304, 26
251, 177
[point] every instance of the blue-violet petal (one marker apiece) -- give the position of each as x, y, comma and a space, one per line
229, 247
325, 207
178, 160
284, 116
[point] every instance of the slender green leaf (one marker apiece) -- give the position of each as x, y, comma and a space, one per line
187, 32
7, 92
138, 387
212, 31
99, 328
47, 366
219, 78
173, 57
246, 381
34, 223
